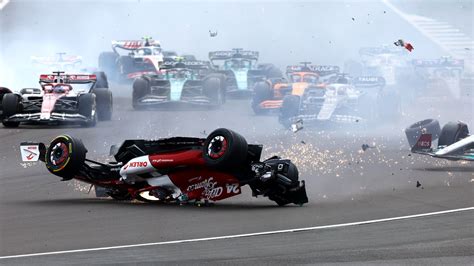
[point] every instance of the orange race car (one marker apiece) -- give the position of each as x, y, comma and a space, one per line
268, 95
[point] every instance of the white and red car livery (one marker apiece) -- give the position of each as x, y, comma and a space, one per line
143, 57
57, 101
178, 169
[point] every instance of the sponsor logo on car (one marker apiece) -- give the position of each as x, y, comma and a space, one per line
138, 164
211, 190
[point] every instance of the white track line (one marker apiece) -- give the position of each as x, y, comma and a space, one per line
441, 33
240, 235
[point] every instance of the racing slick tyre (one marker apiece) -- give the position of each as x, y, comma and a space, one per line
3, 91
430, 126
262, 92
271, 71
87, 108
141, 88
10, 106
225, 148
223, 83
102, 81
65, 156
126, 65
108, 63
213, 90
452, 132
104, 100
289, 108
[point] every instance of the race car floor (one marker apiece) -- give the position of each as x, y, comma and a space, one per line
39, 213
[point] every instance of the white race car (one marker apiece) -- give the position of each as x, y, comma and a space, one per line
57, 101
342, 99
144, 57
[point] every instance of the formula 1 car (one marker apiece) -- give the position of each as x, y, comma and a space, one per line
390, 63
57, 102
454, 141
60, 61
268, 95
180, 83
144, 57
241, 70
341, 99
178, 169
442, 78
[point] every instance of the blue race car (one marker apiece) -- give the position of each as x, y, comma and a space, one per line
241, 70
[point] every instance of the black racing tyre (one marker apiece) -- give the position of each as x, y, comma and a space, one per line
4, 90
452, 132
108, 63
429, 126
223, 83
213, 90
225, 148
289, 108
141, 88
126, 65
271, 71
87, 108
120, 195
11, 104
262, 91
104, 101
102, 81
65, 156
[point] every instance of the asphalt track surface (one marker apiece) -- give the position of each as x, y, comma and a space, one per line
39, 213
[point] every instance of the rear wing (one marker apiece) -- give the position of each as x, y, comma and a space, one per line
68, 78
133, 44
369, 82
235, 53
32, 152
438, 63
322, 70
60, 58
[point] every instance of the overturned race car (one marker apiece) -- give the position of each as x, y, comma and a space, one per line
178, 169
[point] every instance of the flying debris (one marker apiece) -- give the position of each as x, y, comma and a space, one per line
418, 184
366, 147
212, 33
404, 44
297, 125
